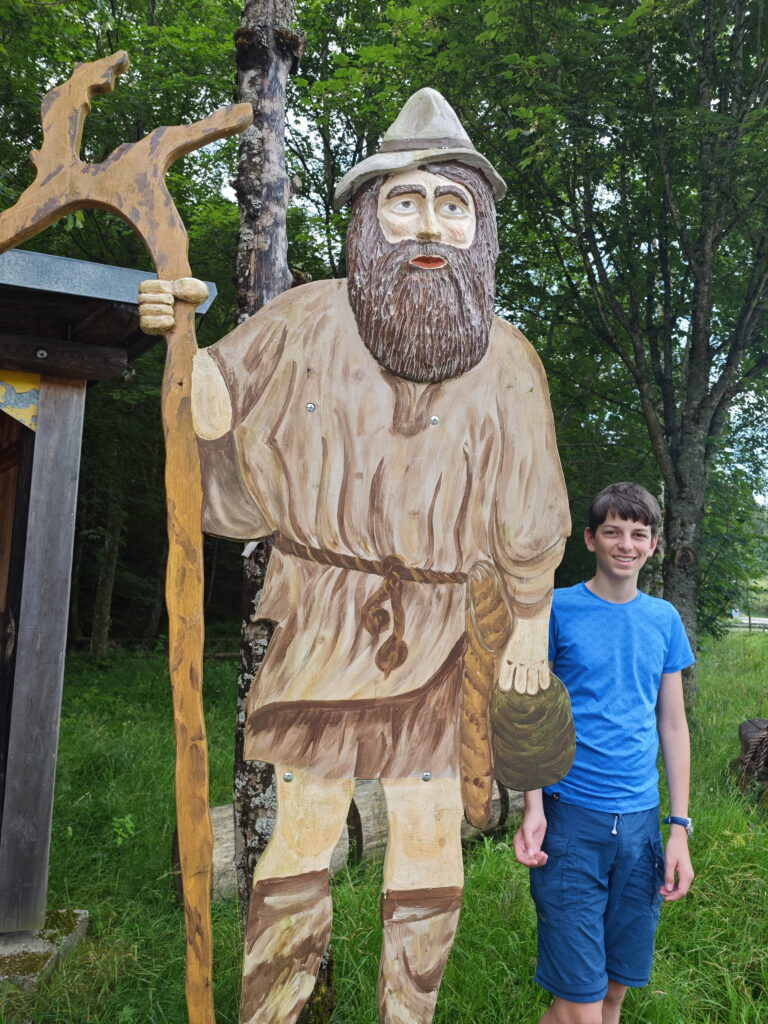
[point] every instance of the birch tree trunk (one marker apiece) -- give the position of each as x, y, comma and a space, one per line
253, 783
268, 50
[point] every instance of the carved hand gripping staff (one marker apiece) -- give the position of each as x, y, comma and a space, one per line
131, 184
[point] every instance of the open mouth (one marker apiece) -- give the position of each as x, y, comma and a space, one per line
427, 262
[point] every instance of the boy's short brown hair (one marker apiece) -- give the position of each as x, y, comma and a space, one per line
626, 500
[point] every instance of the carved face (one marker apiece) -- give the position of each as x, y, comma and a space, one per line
421, 255
422, 206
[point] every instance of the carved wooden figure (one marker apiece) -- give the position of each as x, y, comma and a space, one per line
396, 441
131, 184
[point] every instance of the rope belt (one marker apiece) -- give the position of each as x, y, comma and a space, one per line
373, 615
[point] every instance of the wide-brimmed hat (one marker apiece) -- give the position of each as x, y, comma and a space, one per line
426, 130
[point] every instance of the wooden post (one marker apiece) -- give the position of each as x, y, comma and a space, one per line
131, 184
39, 673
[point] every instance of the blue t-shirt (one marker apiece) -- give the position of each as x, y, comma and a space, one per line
611, 658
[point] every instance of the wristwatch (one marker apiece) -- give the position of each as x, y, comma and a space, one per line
687, 823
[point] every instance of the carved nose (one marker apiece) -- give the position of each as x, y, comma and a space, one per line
428, 236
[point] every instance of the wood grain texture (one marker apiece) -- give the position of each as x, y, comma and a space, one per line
61, 359
224, 884
130, 183
489, 625
288, 928
19, 511
419, 926
39, 672
364, 838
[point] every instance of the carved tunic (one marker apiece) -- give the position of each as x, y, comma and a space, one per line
330, 450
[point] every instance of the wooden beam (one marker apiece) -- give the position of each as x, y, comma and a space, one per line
61, 358
9, 617
39, 672
123, 323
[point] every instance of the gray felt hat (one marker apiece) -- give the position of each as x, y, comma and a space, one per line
426, 130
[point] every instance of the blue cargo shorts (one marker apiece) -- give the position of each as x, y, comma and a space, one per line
597, 899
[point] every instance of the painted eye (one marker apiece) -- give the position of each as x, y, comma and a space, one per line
404, 206
453, 210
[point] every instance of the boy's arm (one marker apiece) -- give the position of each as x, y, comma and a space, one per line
530, 835
676, 751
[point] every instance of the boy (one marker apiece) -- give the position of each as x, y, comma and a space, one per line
600, 874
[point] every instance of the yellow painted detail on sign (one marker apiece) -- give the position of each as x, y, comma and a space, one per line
19, 396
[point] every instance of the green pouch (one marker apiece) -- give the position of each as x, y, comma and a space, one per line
532, 736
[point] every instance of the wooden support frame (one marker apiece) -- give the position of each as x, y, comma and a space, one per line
18, 495
58, 358
39, 672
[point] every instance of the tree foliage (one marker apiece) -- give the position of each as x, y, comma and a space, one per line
633, 138
634, 245
182, 70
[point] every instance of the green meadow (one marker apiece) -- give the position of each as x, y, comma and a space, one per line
111, 854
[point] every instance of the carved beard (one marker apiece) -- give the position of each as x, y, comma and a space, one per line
423, 325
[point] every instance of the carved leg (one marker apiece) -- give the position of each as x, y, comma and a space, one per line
289, 925
419, 926
419, 919
289, 919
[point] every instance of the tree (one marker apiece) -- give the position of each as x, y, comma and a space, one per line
182, 69
653, 203
268, 51
633, 137
341, 104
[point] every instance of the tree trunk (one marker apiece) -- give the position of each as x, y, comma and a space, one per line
268, 50
254, 789
683, 514
262, 189
102, 609
158, 605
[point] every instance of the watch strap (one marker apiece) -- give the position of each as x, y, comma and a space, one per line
687, 823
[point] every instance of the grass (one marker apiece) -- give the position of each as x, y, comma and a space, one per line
111, 849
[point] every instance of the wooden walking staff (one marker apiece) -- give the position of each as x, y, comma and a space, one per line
131, 184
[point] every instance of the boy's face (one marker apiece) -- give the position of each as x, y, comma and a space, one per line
621, 546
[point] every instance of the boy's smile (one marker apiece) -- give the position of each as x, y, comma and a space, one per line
621, 547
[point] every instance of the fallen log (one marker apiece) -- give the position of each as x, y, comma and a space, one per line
752, 766
749, 731
367, 819
224, 871
363, 838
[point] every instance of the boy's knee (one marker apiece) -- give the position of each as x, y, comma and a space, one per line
614, 997
562, 1011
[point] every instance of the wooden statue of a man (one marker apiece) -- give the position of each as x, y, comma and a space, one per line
396, 441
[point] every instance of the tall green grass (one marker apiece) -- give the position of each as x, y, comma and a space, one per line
111, 853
